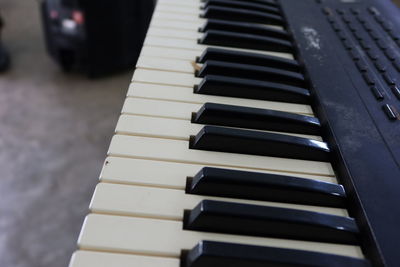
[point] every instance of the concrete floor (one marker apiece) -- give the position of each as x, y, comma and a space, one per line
54, 133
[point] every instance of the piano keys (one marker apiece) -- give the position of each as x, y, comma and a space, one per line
229, 150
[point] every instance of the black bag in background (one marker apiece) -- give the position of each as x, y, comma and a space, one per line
96, 37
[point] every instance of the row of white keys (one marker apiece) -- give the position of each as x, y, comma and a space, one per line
171, 128
158, 237
83, 258
169, 204
169, 174
184, 94
178, 151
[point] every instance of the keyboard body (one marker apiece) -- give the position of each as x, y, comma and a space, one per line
340, 63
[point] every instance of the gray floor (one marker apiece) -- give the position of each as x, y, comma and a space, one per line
54, 132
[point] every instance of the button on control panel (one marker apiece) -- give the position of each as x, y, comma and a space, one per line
373, 44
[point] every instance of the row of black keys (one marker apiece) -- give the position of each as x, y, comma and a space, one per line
256, 76
236, 23
270, 77
245, 219
251, 75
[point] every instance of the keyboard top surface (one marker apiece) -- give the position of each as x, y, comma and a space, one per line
351, 51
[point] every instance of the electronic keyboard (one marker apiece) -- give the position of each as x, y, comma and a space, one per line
255, 133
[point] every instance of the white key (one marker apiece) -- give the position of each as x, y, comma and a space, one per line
169, 204
166, 238
167, 7
164, 64
160, 14
157, 108
181, 3
174, 33
193, 45
84, 258
175, 24
165, 77
165, 52
183, 94
170, 128
167, 174
178, 151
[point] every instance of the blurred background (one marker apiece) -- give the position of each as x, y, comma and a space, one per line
55, 128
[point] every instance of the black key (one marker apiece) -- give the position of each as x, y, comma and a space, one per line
366, 45
249, 41
379, 19
346, 18
243, 5
387, 26
361, 19
377, 93
373, 54
358, 35
331, 18
390, 54
256, 118
389, 79
380, 65
245, 219
340, 11
336, 26
266, 187
383, 44
396, 64
355, 55
391, 112
396, 91
244, 27
375, 35
348, 45
252, 89
216, 254
362, 66
342, 35
248, 58
352, 27
368, 26
213, 138
237, 14
327, 11
395, 36
355, 11
212, 67
369, 79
